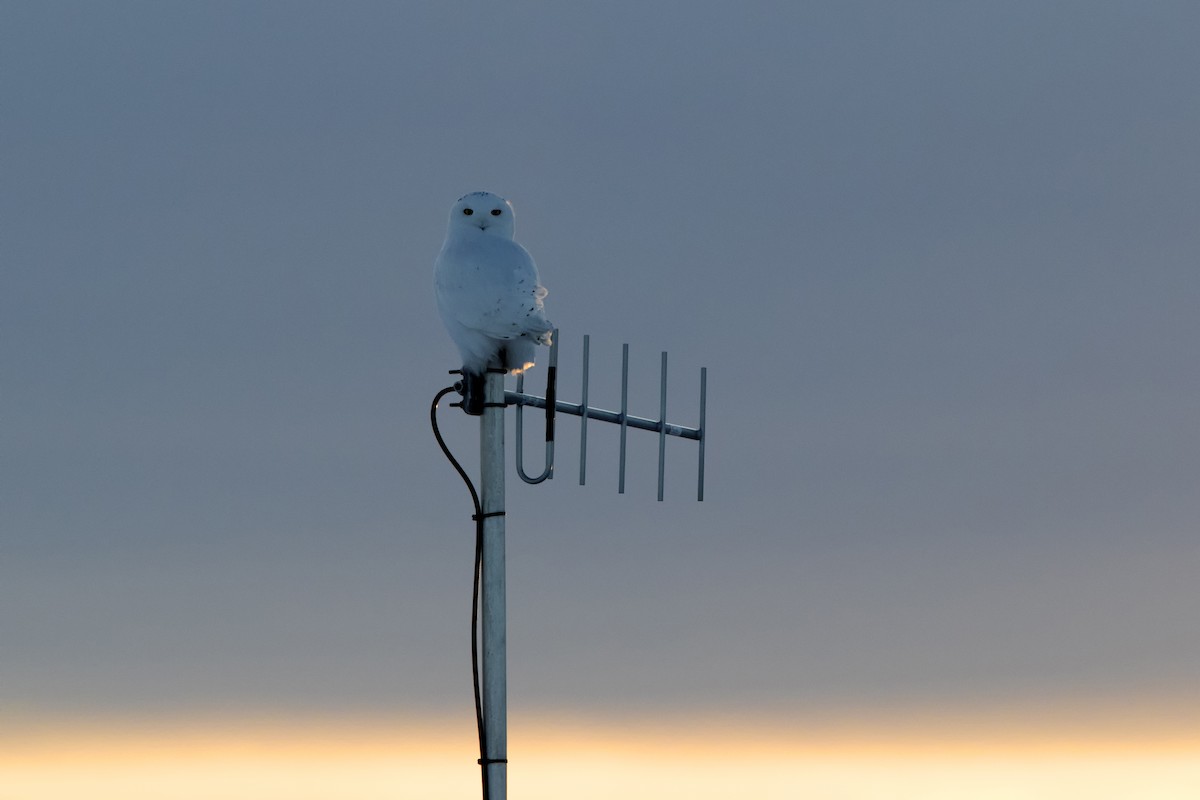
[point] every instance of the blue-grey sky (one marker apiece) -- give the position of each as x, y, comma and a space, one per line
940, 259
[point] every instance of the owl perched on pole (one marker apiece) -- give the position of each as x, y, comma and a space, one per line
488, 291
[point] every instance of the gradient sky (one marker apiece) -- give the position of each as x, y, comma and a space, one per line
939, 258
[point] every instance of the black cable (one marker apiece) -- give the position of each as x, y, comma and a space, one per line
478, 516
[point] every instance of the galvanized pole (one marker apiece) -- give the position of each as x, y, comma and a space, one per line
493, 667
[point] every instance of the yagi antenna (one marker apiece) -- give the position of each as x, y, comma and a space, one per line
484, 396
621, 418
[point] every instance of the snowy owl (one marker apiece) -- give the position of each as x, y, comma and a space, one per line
487, 288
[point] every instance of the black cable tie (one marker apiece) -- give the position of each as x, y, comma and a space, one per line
483, 762
478, 517
495, 405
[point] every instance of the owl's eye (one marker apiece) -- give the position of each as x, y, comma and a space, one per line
468, 212
495, 212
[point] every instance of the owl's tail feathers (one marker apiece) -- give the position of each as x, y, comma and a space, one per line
520, 352
517, 355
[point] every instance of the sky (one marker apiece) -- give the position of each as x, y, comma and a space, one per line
938, 258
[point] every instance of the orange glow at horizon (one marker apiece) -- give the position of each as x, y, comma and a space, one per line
553, 759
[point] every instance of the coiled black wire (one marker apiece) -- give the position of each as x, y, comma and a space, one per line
484, 761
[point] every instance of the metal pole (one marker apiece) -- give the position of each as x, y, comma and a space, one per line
493, 667
662, 426
703, 423
583, 414
624, 414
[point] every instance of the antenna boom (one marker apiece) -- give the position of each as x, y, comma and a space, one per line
562, 407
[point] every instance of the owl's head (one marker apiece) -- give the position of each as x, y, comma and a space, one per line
483, 212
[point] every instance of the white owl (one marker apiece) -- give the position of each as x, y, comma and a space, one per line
487, 288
